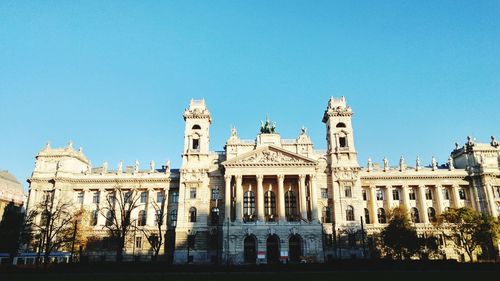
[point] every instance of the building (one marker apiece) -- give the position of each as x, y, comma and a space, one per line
270, 199
11, 192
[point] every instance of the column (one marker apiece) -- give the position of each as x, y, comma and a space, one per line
373, 205
281, 197
227, 198
239, 198
150, 207
31, 199
303, 197
260, 198
315, 210
456, 197
491, 200
101, 219
422, 205
388, 198
438, 192
405, 197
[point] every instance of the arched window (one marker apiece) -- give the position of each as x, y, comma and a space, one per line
381, 215
290, 206
173, 217
270, 205
196, 127
192, 214
109, 218
141, 219
214, 215
341, 125
327, 218
414, 215
249, 206
367, 216
349, 213
432, 214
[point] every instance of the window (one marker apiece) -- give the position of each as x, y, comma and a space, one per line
432, 214
192, 214
380, 194
414, 215
363, 192
127, 196
173, 217
367, 216
270, 205
141, 219
290, 205
411, 194
461, 193
109, 218
96, 197
215, 193
324, 193
175, 197
381, 215
79, 197
497, 189
340, 125
196, 144
343, 141
196, 127
192, 192
347, 191
93, 219
349, 213
47, 196
327, 218
158, 217
428, 194
159, 197
214, 215
144, 196
138, 242
446, 194
395, 194
248, 205
111, 197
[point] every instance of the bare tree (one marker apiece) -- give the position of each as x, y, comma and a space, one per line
156, 238
55, 226
118, 213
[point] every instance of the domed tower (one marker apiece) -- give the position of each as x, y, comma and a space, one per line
343, 163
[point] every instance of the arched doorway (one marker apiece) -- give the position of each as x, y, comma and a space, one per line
273, 249
250, 249
294, 248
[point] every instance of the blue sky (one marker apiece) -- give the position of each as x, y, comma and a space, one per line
115, 76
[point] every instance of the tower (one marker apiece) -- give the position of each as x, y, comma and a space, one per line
192, 231
343, 163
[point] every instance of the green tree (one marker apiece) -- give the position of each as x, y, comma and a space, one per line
472, 230
399, 237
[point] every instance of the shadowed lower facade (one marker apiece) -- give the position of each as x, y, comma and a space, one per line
271, 200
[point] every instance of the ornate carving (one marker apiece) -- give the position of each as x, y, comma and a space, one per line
269, 156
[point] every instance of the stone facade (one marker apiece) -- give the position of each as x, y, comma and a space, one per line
11, 192
273, 200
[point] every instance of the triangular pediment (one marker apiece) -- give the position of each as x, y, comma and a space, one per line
270, 155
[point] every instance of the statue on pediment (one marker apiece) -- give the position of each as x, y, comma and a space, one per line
267, 128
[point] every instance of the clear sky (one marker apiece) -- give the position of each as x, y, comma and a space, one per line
115, 76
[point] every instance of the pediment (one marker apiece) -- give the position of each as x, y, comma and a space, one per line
270, 156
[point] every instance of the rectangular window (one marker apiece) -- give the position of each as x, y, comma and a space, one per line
96, 197
79, 197
324, 193
127, 196
215, 194
461, 194
192, 193
364, 195
159, 197
395, 194
411, 194
138, 242
497, 189
446, 194
175, 197
428, 194
144, 197
380, 194
347, 191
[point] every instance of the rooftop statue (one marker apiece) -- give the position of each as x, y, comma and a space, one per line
267, 128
